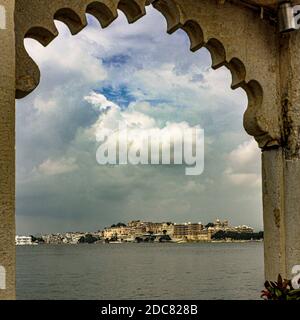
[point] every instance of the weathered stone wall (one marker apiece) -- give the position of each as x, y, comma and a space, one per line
281, 169
7, 150
290, 97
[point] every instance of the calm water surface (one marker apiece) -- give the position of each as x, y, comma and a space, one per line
141, 271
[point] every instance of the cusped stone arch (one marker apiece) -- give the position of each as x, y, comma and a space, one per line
238, 45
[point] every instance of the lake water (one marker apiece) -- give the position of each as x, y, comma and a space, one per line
141, 271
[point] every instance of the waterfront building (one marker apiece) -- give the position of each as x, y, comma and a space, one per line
53, 238
72, 237
224, 226
180, 230
194, 229
204, 235
159, 227
23, 241
153, 227
119, 232
244, 228
169, 227
134, 223
191, 231
221, 225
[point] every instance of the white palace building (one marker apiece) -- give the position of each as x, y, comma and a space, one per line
23, 241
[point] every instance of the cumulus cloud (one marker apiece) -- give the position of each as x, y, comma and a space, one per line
243, 167
173, 142
99, 101
52, 167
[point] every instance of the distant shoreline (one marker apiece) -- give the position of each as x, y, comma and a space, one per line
113, 243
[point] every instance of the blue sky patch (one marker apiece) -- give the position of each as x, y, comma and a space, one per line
119, 95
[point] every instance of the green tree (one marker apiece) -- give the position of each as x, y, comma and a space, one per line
88, 239
81, 240
210, 225
118, 225
37, 239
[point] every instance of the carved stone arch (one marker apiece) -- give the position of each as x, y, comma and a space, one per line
238, 45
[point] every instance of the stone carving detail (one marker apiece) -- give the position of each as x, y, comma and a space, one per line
35, 19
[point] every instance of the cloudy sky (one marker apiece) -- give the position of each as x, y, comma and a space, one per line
136, 72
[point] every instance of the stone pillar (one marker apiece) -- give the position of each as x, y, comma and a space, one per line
7, 150
273, 208
281, 170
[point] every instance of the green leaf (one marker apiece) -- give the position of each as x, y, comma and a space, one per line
294, 292
278, 293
